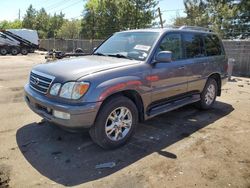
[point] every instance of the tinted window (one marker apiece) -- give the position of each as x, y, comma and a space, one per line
172, 42
193, 45
213, 46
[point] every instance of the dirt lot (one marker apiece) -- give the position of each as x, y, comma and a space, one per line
183, 148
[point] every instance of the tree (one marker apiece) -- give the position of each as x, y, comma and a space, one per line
104, 17
143, 12
226, 17
16, 24
42, 21
56, 23
70, 29
46, 25
241, 22
29, 19
196, 12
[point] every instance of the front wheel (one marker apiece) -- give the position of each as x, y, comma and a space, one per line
208, 95
115, 123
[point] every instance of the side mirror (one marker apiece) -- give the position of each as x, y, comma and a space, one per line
164, 56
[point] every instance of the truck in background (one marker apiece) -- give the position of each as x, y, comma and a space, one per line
15, 41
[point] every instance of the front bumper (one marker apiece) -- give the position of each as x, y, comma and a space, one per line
81, 116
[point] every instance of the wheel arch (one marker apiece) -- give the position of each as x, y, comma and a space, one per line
133, 95
217, 78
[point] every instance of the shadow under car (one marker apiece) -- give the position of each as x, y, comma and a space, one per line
71, 158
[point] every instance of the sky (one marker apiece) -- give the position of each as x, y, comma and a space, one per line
9, 9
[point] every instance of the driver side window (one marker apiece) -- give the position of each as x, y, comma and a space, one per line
172, 42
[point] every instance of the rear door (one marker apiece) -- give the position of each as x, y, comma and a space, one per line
194, 51
217, 61
169, 79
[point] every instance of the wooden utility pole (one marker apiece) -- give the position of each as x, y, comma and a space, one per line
19, 14
159, 12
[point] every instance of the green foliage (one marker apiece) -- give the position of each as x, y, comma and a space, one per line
56, 23
104, 17
16, 24
70, 29
101, 18
46, 25
29, 19
228, 18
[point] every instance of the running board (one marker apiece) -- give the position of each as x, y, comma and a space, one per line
173, 105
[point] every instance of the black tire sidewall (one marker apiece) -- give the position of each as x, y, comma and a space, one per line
100, 136
203, 102
24, 51
15, 50
6, 51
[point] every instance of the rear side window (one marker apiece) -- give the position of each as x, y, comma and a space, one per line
193, 45
213, 45
172, 42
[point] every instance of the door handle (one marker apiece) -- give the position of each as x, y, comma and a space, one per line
181, 67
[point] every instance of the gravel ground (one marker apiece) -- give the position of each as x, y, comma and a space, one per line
183, 148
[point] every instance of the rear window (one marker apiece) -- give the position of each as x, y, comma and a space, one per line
213, 45
193, 45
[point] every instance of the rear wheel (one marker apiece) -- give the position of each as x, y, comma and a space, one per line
24, 51
208, 96
115, 123
3, 51
14, 51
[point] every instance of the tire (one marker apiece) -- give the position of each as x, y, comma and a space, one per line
102, 132
24, 51
32, 50
79, 50
208, 95
14, 51
3, 51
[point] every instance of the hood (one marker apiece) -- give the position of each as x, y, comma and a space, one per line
75, 68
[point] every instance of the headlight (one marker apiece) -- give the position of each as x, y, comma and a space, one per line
74, 90
55, 89
80, 89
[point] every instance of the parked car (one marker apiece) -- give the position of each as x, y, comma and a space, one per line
132, 76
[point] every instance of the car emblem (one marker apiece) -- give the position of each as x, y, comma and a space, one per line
36, 82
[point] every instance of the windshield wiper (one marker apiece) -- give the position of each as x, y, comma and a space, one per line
99, 54
119, 56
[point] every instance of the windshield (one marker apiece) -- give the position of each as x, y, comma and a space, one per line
130, 45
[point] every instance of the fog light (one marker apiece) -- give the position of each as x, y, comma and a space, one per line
61, 115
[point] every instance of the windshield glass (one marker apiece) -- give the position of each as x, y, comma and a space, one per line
131, 45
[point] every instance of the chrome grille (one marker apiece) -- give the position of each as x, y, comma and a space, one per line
40, 81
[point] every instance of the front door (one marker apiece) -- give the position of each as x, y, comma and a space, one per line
169, 78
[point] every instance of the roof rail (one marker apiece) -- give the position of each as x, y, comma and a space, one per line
197, 28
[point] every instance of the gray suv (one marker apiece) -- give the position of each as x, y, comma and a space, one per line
132, 76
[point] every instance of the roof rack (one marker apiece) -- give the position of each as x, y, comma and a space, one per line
197, 28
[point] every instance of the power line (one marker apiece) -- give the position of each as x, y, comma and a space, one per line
55, 4
70, 5
58, 4
172, 10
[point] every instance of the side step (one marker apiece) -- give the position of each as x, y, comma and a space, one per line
173, 105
